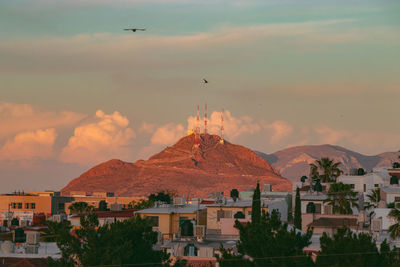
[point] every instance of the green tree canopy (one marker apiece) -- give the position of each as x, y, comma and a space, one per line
256, 206
234, 194
162, 196
126, 242
394, 229
80, 208
325, 169
269, 243
342, 198
297, 210
348, 249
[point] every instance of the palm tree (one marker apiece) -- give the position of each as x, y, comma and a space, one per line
80, 208
342, 198
374, 199
325, 169
395, 228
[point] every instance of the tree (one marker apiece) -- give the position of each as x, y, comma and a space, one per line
396, 165
325, 170
14, 222
119, 243
360, 171
390, 257
161, 196
142, 204
348, 249
342, 198
394, 180
234, 194
297, 210
239, 215
269, 243
374, 199
303, 179
102, 205
318, 186
394, 229
256, 206
80, 208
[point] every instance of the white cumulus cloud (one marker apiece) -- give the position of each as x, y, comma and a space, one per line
168, 134
29, 145
17, 118
108, 137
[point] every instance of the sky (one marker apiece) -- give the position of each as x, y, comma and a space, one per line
76, 90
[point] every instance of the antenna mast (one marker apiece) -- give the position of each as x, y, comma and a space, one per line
222, 127
205, 120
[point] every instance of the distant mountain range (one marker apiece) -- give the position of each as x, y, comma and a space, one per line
293, 162
181, 168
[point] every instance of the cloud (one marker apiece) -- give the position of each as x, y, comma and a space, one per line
17, 118
111, 52
108, 137
168, 134
30, 145
280, 130
147, 128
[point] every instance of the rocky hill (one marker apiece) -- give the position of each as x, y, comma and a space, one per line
188, 171
294, 162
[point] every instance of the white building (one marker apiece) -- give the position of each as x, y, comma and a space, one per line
366, 183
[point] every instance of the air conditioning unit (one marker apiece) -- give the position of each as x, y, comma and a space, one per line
23, 223
32, 249
32, 238
115, 207
179, 201
376, 225
199, 231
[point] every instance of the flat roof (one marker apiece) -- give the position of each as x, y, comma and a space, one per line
173, 209
314, 197
391, 189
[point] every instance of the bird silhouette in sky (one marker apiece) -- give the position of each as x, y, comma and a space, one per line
205, 81
134, 29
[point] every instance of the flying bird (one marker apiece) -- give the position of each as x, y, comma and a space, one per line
205, 81
134, 29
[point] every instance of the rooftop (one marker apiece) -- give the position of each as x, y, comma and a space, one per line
391, 189
314, 196
334, 222
173, 209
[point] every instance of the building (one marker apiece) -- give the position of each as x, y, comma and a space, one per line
323, 223
105, 217
365, 183
390, 194
25, 205
221, 216
168, 219
95, 198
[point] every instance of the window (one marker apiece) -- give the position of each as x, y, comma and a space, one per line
223, 214
153, 220
352, 186
190, 250
318, 208
396, 199
365, 188
61, 206
33, 206
376, 185
14, 205
19, 205
26, 205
